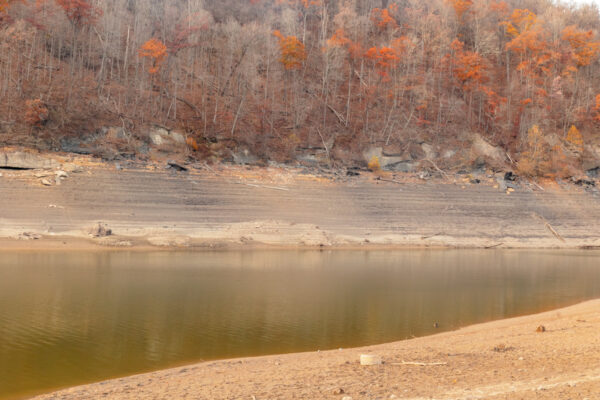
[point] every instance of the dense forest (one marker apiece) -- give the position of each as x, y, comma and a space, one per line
277, 78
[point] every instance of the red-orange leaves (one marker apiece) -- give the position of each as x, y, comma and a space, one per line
36, 113
156, 51
292, 50
521, 21
80, 12
585, 50
469, 67
5, 4
597, 108
461, 7
383, 58
383, 18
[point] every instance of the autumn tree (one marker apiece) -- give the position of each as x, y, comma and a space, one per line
36, 113
292, 50
156, 52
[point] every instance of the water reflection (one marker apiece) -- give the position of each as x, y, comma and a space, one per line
71, 318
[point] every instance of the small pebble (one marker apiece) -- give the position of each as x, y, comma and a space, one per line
346, 398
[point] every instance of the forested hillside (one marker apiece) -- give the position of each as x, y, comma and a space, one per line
279, 78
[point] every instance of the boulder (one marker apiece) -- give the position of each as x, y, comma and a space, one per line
243, 156
430, 153
25, 160
483, 149
592, 172
400, 166
591, 157
393, 150
100, 230
160, 136
157, 137
400, 162
371, 152
178, 137
416, 151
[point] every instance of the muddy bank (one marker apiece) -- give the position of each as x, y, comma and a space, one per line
505, 359
221, 207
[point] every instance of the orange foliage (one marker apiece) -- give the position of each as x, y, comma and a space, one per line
384, 58
597, 108
469, 66
155, 50
36, 112
293, 53
191, 142
584, 48
521, 20
339, 39
500, 7
461, 7
80, 12
575, 139
383, 18
5, 4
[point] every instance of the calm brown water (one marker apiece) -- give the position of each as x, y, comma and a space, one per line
67, 319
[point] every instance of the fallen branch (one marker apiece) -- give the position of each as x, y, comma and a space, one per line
539, 187
493, 246
391, 180
554, 232
263, 186
548, 226
438, 169
430, 236
421, 364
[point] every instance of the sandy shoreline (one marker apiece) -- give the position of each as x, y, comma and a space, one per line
504, 359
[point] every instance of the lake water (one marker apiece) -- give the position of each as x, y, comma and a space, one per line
73, 318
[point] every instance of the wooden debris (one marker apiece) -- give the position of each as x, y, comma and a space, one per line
554, 232
420, 364
263, 186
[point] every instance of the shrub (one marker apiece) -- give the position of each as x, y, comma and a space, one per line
374, 164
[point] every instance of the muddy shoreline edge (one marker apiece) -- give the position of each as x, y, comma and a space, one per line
493, 360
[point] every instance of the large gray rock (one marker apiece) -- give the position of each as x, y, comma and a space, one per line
399, 163
591, 157
160, 136
483, 149
243, 156
24, 160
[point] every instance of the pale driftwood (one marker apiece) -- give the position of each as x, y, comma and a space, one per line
263, 186
421, 364
493, 246
539, 187
391, 180
438, 169
554, 232
324, 145
509, 157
